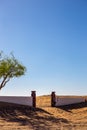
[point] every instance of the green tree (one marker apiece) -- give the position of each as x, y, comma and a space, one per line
10, 67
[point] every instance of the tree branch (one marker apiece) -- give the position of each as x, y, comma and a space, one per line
4, 81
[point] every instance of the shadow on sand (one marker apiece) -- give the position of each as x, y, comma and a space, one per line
37, 118
73, 106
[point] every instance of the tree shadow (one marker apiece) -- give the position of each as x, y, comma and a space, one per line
38, 118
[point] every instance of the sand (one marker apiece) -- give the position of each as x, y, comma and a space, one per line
44, 117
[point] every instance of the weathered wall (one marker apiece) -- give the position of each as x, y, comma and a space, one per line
67, 101
17, 99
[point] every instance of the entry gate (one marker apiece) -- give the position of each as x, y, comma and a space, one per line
43, 101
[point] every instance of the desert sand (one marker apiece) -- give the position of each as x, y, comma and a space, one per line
44, 117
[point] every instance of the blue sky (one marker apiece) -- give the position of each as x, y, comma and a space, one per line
50, 38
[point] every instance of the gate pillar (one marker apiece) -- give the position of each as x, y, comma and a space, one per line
53, 99
33, 95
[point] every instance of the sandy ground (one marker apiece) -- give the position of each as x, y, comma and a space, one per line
44, 117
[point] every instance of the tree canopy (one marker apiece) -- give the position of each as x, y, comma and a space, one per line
10, 67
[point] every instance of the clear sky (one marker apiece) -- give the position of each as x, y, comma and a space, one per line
50, 38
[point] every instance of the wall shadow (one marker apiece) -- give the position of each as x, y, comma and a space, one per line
73, 106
